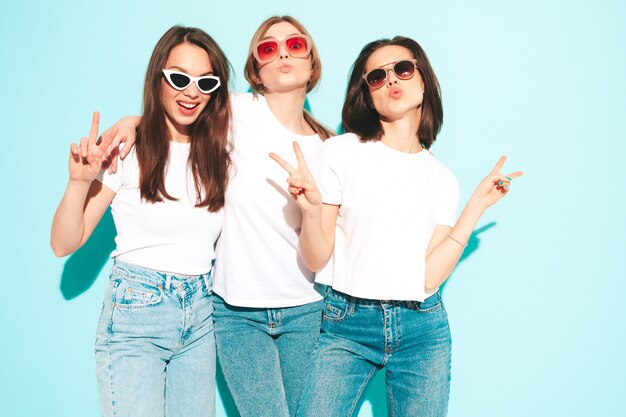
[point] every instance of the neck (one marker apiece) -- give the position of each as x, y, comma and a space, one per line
178, 133
288, 107
401, 134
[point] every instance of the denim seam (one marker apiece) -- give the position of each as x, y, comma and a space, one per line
146, 305
392, 410
360, 392
429, 309
108, 347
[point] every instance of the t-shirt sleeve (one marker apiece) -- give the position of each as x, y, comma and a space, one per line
327, 173
115, 181
447, 199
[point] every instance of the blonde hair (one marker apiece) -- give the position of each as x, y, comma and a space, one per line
251, 69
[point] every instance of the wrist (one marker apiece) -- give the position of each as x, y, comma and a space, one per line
79, 184
476, 205
313, 211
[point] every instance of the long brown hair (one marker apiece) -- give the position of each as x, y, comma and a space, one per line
208, 155
251, 70
359, 115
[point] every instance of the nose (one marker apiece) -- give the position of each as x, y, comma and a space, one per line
282, 50
391, 81
192, 90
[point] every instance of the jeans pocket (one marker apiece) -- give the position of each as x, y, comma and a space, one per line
430, 304
137, 294
335, 309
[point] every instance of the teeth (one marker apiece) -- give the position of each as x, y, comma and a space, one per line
188, 105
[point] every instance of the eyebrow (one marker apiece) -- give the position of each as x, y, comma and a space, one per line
181, 69
274, 37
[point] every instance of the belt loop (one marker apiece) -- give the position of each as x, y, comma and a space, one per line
206, 283
168, 282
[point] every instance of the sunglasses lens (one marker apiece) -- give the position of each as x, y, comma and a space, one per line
180, 81
404, 69
267, 51
297, 46
206, 85
376, 78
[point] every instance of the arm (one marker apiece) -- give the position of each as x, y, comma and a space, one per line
447, 244
317, 236
85, 200
126, 129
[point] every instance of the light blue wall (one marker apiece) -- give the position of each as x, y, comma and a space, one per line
537, 312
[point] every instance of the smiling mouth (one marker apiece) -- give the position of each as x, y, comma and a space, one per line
188, 106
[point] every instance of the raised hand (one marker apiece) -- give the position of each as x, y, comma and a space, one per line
301, 183
126, 130
86, 159
495, 185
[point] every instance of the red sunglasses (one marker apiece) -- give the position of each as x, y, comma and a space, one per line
267, 50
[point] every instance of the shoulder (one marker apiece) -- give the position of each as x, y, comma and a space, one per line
244, 99
128, 163
126, 169
346, 141
444, 173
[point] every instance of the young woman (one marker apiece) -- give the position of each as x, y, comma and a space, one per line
385, 209
155, 346
267, 311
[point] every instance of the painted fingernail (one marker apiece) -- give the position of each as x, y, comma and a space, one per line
508, 178
500, 183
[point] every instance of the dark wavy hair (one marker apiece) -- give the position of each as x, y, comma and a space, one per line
208, 156
359, 115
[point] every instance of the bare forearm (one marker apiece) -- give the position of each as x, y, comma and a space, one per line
441, 261
315, 248
68, 224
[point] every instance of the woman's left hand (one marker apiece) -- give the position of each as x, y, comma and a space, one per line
495, 185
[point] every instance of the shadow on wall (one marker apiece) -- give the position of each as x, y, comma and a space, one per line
377, 393
83, 267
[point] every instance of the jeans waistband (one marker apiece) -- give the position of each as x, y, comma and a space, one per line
379, 303
153, 276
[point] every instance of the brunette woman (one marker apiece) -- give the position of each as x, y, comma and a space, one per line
267, 310
386, 210
155, 346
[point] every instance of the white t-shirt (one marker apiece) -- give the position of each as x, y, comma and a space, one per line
170, 236
257, 261
390, 202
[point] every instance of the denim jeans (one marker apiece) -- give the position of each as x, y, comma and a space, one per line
410, 340
155, 346
265, 353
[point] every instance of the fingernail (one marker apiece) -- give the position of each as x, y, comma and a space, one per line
500, 183
508, 178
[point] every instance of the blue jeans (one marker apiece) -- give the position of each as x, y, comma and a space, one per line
265, 353
155, 346
411, 340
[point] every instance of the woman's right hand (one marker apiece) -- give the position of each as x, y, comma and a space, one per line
87, 158
301, 183
126, 131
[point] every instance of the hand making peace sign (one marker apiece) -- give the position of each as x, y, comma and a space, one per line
86, 159
495, 185
301, 183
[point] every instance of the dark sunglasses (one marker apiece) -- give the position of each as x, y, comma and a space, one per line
404, 70
179, 81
